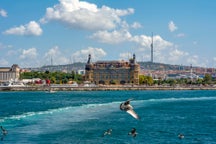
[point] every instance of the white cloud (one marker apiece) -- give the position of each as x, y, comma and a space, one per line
52, 52
172, 27
145, 41
120, 36
32, 28
136, 25
175, 55
113, 37
3, 13
164, 51
56, 55
28, 57
85, 15
82, 55
29, 53
195, 60
125, 56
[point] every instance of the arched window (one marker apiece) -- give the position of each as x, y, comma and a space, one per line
122, 82
101, 82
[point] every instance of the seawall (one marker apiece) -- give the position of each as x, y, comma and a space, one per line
103, 88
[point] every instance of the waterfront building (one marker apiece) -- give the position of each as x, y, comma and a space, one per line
9, 73
112, 72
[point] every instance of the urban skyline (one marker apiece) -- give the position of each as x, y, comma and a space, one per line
66, 31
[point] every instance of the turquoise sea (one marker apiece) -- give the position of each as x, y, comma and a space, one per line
81, 117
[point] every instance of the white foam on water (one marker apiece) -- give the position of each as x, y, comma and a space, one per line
54, 120
173, 99
88, 110
64, 115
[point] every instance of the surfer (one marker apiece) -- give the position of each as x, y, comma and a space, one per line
125, 106
133, 132
4, 133
107, 132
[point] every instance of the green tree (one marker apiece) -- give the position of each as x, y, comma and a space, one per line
53, 80
199, 81
149, 80
145, 80
207, 78
141, 79
113, 82
55, 77
172, 82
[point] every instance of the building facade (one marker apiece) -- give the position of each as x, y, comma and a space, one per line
112, 72
9, 73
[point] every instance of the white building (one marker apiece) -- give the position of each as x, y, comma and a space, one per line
9, 73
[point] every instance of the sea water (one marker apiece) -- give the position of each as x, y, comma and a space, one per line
81, 117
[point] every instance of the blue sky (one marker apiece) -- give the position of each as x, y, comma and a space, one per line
33, 32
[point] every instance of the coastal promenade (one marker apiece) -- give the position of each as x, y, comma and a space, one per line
104, 88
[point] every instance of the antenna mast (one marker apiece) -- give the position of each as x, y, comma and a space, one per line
51, 61
152, 49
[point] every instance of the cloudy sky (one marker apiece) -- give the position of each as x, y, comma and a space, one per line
33, 32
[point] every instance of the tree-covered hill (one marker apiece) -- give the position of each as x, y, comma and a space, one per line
81, 66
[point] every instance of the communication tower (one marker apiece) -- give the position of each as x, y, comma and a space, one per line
152, 49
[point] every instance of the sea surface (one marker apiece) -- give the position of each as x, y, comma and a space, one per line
81, 117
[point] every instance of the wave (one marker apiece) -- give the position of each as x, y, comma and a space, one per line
92, 110
181, 99
84, 109
31, 114
147, 102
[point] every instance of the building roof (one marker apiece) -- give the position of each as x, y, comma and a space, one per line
113, 61
4, 69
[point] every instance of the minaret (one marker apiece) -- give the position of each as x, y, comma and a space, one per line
152, 49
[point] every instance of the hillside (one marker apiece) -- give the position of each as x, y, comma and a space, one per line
161, 66
81, 66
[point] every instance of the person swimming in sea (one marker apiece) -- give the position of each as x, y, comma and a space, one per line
107, 132
180, 136
133, 132
4, 132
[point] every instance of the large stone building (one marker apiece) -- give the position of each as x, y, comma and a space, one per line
9, 73
112, 72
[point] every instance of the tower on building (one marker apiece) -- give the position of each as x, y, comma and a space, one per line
89, 59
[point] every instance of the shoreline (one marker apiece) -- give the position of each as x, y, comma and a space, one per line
104, 88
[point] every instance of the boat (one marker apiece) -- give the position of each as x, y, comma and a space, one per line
13, 84
51, 91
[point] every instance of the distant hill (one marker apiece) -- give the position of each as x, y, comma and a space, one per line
161, 66
67, 67
81, 66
